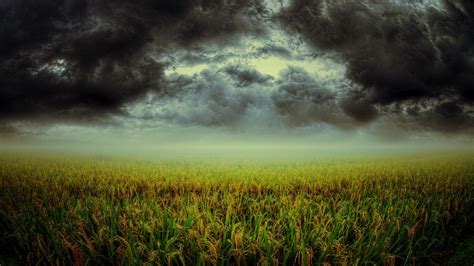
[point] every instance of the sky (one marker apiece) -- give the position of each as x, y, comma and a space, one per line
237, 73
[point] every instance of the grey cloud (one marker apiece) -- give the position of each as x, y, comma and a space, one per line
87, 61
448, 117
235, 94
445, 116
276, 50
213, 98
245, 76
302, 100
362, 111
227, 98
79, 60
395, 51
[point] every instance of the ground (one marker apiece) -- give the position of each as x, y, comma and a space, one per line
387, 208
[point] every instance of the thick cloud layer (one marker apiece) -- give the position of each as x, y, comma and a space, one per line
396, 51
397, 63
74, 59
240, 97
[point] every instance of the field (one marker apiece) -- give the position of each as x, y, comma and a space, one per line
368, 209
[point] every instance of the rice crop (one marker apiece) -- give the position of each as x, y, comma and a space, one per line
63, 210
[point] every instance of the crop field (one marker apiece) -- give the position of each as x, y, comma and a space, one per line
392, 209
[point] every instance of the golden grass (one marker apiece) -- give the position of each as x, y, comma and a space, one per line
387, 210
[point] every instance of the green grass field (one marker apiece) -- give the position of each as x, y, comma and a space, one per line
367, 209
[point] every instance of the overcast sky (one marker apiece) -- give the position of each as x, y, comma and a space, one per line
236, 72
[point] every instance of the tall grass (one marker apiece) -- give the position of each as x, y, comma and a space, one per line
390, 210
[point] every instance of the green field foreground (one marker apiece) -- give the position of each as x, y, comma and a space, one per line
390, 209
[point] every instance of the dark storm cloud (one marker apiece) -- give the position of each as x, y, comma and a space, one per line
396, 52
301, 100
245, 76
360, 110
219, 97
271, 49
447, 116
80, 60
233, 95
85, 61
